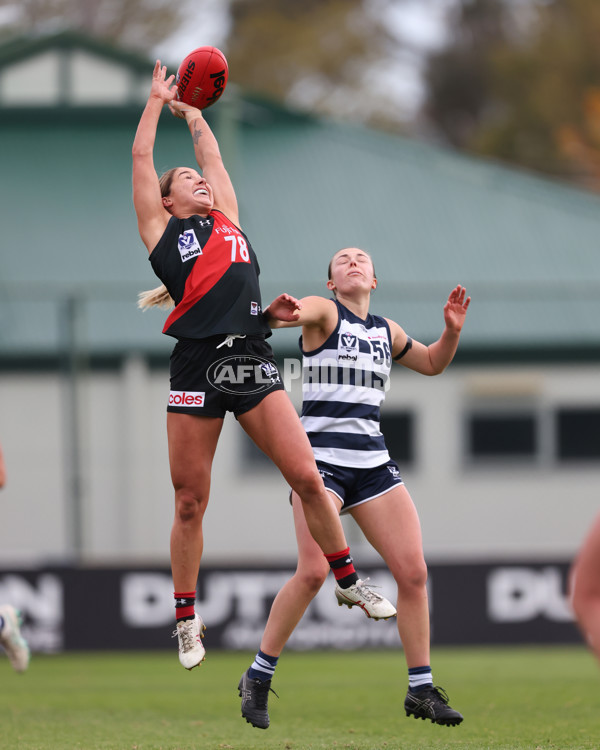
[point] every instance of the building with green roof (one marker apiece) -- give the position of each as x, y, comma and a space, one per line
491, 450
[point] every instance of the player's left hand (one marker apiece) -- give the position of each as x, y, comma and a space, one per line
455, 309
284, 308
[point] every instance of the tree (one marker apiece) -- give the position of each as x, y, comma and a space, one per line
327, 57
133, 24
549, 93
538, 100
458, 77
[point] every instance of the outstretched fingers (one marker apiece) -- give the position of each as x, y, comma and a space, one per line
159, 75
459, 296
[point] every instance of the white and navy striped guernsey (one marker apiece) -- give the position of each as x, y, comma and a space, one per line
343, 385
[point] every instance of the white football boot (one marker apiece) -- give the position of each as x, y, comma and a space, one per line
11, 639
191, 650
361, 594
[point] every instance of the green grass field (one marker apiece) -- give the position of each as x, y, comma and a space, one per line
544, 698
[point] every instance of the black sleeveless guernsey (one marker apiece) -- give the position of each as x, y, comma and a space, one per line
211, 272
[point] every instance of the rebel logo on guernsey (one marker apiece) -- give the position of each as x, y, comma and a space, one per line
188, 245
186, 398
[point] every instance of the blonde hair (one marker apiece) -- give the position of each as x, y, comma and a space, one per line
159, 297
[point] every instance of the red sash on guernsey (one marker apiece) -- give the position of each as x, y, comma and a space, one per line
209, 267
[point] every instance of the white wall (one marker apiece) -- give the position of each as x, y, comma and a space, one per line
467, 513
507, 510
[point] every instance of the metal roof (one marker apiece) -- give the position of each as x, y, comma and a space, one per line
526, 248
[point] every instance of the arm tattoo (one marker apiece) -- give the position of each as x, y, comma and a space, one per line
197, 134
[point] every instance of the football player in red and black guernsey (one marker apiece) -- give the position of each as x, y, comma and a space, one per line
188, 221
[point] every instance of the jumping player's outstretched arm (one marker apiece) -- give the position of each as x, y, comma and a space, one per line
287, 312
151, 214
433, 359
208, 156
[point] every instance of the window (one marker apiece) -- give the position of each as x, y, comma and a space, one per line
502, 435
397, 428
398, 431
578, 433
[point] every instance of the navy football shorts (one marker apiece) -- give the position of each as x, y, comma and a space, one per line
357, 486
210, 380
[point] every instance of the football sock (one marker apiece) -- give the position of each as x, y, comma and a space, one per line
419, 678
263, 667
343, 568
185, 605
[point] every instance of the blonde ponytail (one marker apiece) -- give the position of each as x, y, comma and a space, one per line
158, 297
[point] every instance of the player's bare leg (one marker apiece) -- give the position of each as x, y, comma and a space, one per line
196, 436
275, 428
391, 524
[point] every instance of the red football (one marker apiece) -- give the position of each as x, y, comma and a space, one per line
202, 77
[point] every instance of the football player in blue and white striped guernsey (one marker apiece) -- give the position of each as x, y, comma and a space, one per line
347, 357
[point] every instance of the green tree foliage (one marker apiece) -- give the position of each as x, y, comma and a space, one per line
328, 57
132, 24
458, 78
534, 96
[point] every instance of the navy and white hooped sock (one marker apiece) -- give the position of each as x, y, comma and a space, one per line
263, 667
419, 678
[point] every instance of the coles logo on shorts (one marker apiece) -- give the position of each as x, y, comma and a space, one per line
186, 398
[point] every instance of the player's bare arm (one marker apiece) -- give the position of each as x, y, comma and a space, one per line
433, 359
311, 312
151, 215
208, 156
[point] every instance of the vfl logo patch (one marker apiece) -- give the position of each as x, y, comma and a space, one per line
188, 245
271, 372
348, 341
254, 308
348, 344
395, 473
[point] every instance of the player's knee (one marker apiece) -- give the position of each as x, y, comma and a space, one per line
189, 505
412, 577
313, 578
308, 484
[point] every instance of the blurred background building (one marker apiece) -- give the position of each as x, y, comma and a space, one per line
501, 453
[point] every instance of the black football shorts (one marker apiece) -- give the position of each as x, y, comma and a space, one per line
212, 376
